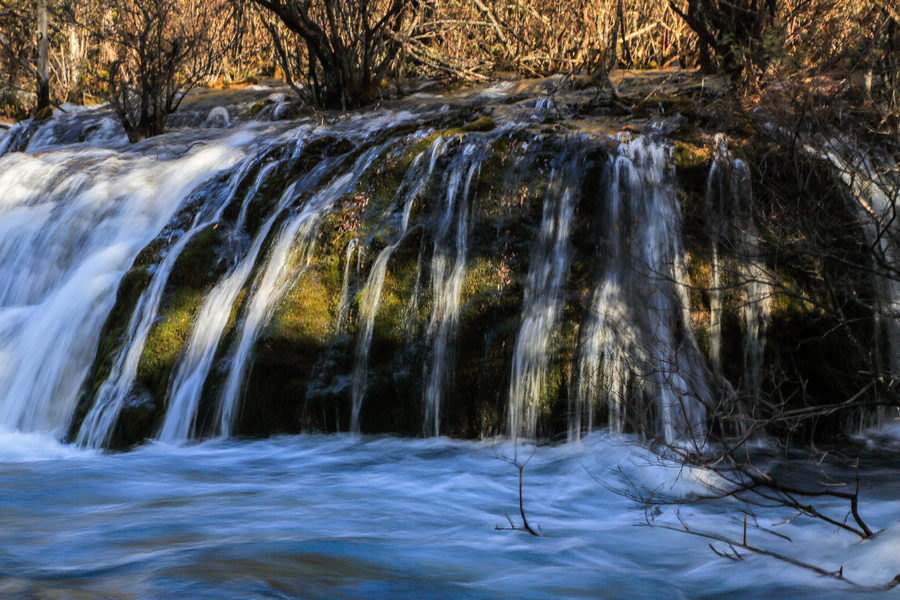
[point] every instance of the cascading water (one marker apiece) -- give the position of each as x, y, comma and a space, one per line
97, 427
344, 303
446, 279
523, 267
296, 236
416, 179
543, 296
484, 301
756, 308
729, 202
715, 203
71, 223
193, 367
638, 352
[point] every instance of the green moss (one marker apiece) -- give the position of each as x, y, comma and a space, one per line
195, 271
304, 314
483, 123
257, 107
150, 253
166, 339
298, 335
133, 283
199, 263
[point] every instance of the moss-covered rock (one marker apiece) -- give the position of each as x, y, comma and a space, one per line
300, 376
113, 335
196, 270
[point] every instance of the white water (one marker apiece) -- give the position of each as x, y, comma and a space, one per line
345, 517
98, 425
715, 203
446, 280
71, 223
729, 205
414, 182
343, 307
348, 516
543, 298
296, 238
630, 355
756, 290
192, 369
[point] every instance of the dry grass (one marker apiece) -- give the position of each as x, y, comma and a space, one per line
535, 37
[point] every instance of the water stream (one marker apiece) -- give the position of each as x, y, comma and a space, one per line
194, 365
543, 296
448, 264
70, 226
502, 288
632, 355
344, 517
415, 181
297, 237
98, 425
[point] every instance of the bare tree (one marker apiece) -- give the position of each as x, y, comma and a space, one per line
17, 48
160, 50
731, 32
343, 50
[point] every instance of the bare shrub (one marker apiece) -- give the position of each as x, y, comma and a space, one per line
160, 49
342, 50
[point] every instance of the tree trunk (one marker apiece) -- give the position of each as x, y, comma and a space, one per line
43, 66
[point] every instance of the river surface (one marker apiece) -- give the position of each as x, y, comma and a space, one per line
348, 517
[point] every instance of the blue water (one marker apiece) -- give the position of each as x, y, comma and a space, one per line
340, 517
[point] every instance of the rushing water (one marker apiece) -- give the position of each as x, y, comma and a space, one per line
194, 365
344, 303
415, 182
70, 225
632, 353
543, 301
729, 201
296, 236
446, 279
349, 516
99, 423
344, 517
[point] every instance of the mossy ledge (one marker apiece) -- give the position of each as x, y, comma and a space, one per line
302, 364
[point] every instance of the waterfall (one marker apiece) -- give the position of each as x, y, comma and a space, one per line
297, 236
446, 279
729, 203
716, 200
71, 224
88, 127
193, 366
343, 307
414, 182
638, 352
545, 285
98, 425
543, 297
756, 295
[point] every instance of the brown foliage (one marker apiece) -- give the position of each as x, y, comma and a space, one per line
534, 37
160, 49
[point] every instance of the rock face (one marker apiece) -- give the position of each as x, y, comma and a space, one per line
444, 272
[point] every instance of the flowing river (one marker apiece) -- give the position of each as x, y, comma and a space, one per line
347, 517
